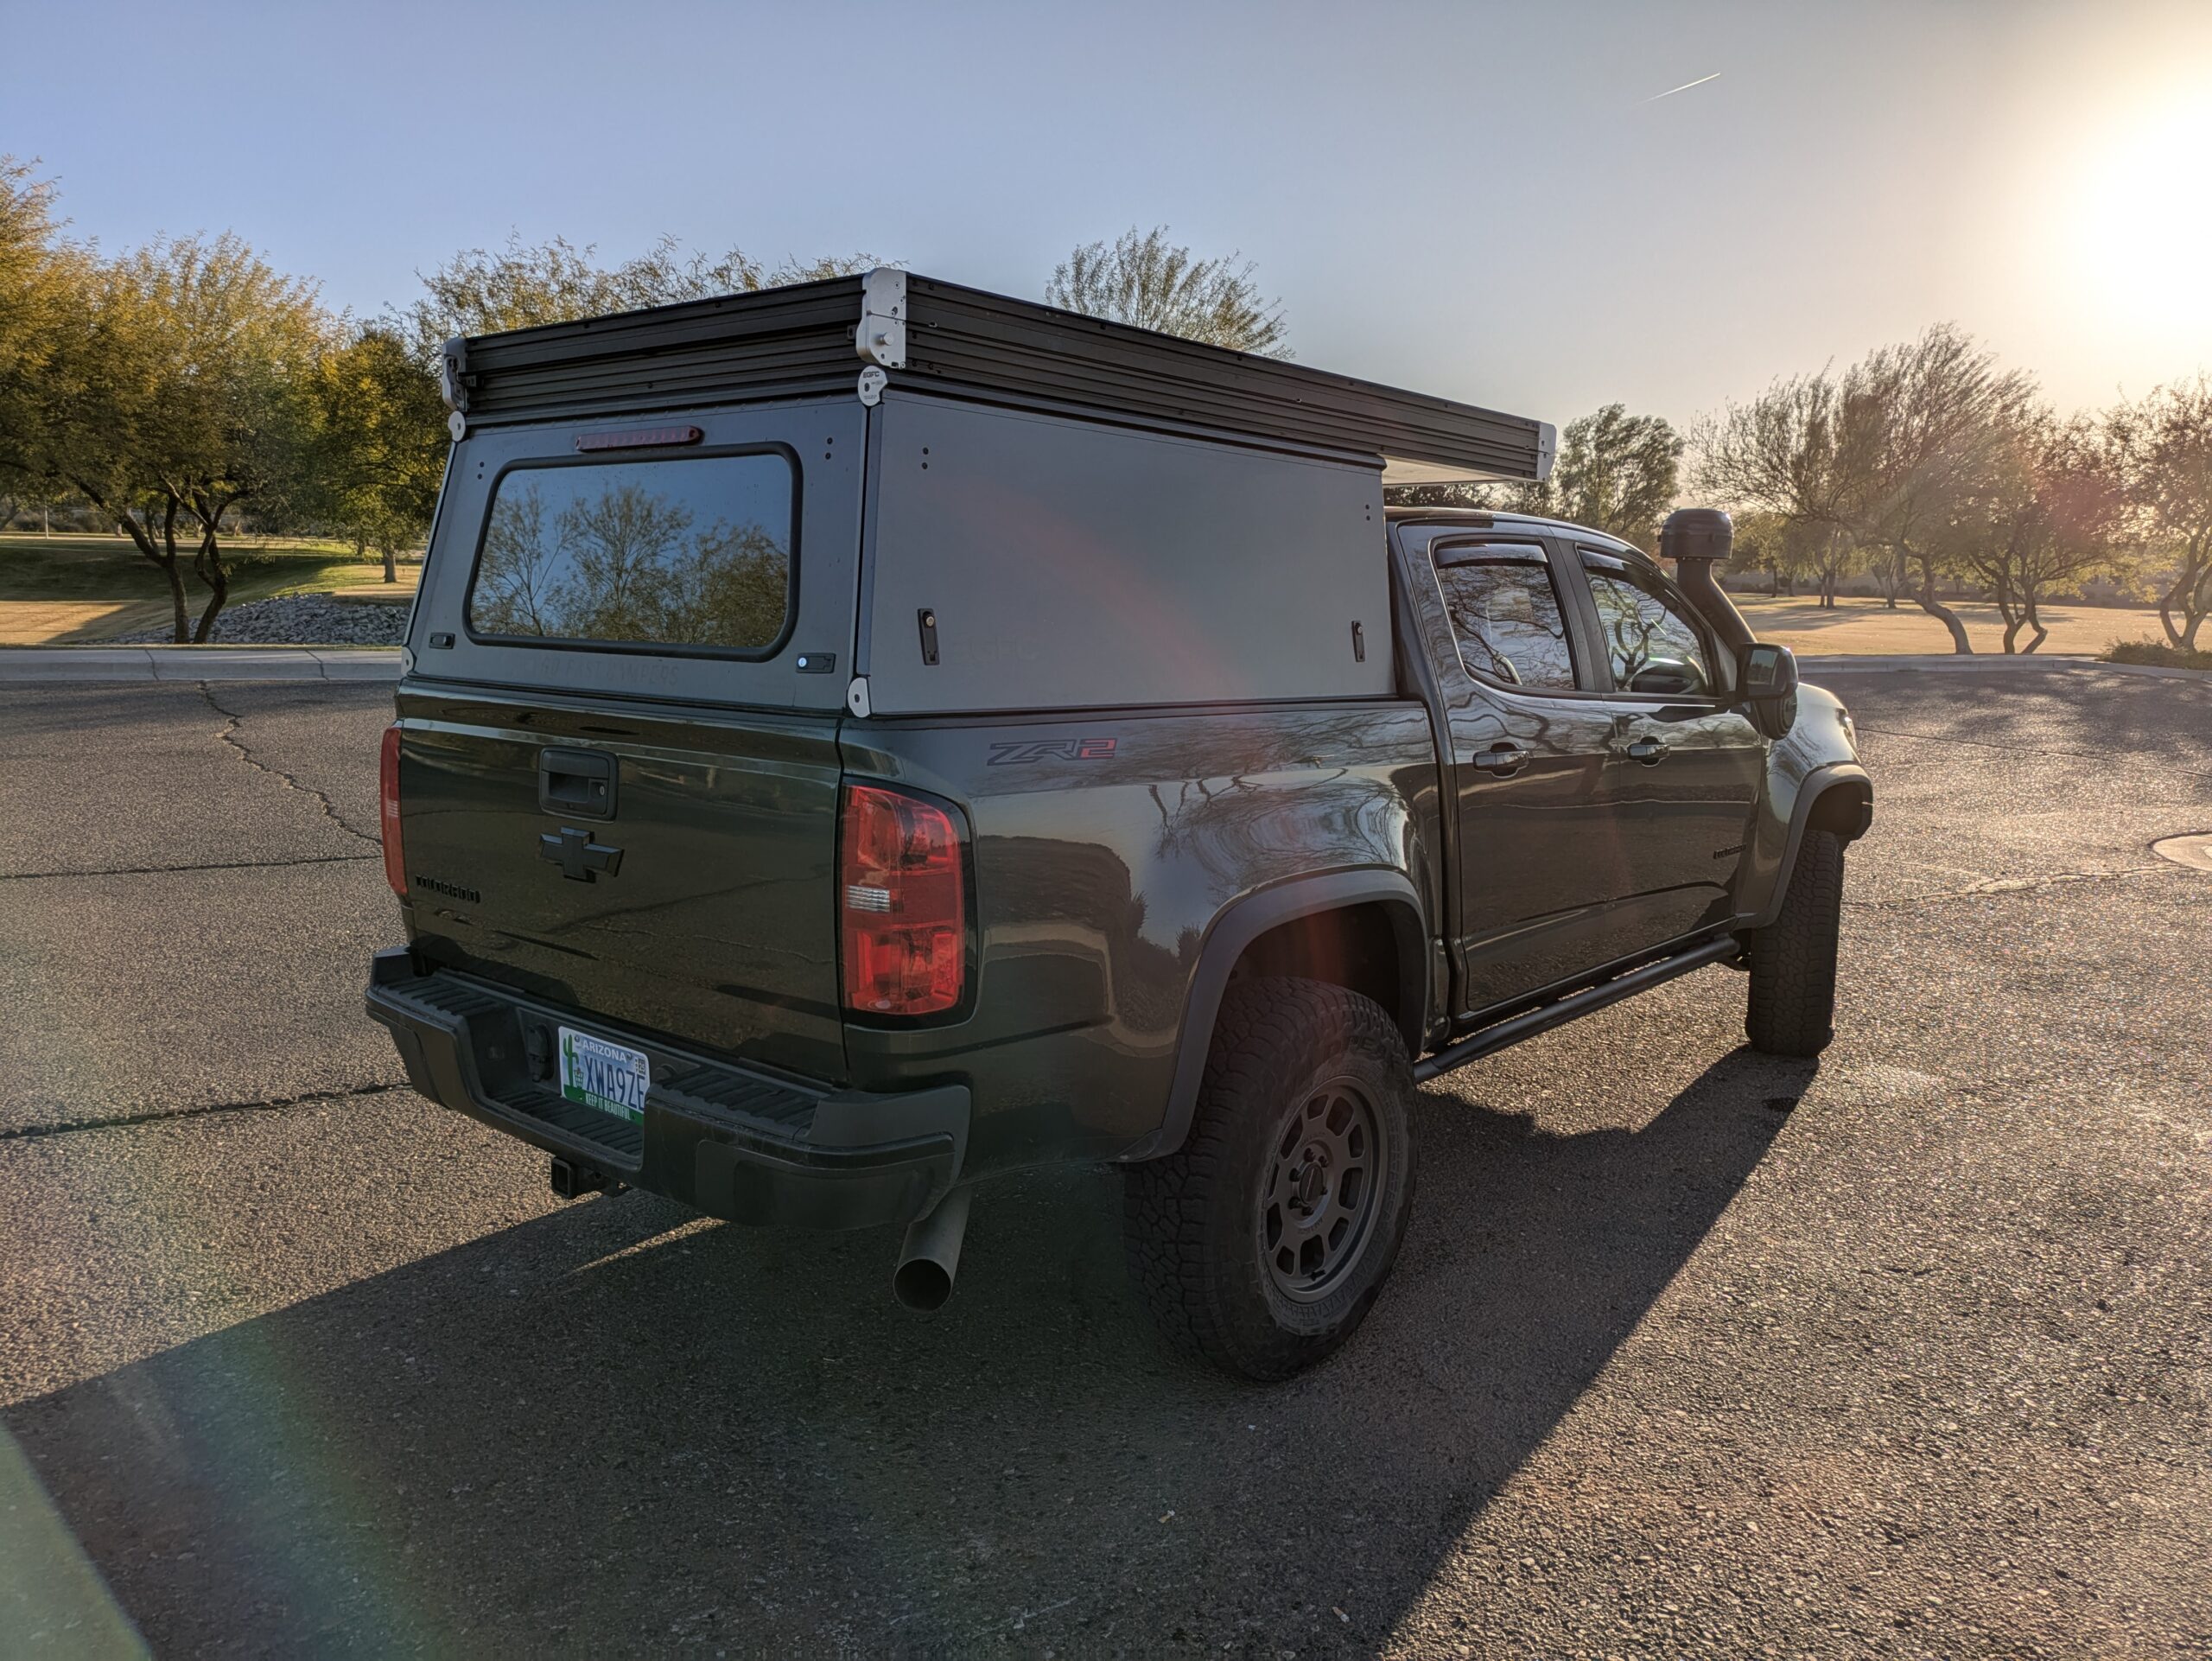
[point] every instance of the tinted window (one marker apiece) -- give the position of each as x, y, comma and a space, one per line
1507, 617
694, 551
1650, 639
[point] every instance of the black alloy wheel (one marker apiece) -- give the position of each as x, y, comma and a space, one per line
1317, 1214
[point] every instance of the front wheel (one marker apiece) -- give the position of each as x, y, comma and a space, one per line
1262, 1243
1792, 1009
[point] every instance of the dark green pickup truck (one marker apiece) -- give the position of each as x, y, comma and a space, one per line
864, 738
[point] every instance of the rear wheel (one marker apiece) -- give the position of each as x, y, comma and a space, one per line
1792, 1009
1263, 1242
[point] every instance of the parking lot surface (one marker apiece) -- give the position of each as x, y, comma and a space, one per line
1690, 1351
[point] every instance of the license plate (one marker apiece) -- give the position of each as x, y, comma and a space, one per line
612, 1078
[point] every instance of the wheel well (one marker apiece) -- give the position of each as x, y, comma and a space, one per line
1363, 948
1846, 808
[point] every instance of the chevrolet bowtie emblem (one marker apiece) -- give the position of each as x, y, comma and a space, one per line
581, 859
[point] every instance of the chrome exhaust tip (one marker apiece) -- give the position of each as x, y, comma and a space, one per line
930, 1256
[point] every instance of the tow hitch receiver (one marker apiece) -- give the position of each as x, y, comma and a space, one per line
572, 1181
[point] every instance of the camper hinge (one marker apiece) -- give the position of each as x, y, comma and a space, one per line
882, 338
1547, 449
453, 374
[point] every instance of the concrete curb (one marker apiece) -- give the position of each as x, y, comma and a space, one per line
1984, 662
198, 663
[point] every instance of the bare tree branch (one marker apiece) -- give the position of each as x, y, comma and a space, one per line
1143, 279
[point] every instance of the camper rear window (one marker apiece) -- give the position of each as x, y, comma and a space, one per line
690, 553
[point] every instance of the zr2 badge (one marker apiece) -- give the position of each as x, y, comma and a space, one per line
1018, 751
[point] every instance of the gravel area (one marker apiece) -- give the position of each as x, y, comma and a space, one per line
295, 619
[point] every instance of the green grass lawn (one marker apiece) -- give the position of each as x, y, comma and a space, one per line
110, 568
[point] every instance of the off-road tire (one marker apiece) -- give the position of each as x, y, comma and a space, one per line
1196, 1221
1792, 1007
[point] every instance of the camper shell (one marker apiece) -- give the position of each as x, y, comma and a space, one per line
1090, 512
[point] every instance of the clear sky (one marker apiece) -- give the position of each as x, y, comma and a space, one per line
1487, 202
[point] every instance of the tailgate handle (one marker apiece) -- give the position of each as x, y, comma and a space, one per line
576, 784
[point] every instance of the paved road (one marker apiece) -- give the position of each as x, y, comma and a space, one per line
1689, 1350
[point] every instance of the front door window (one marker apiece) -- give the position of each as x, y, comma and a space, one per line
1650, 642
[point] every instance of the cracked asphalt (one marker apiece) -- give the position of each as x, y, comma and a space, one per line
1689, 1351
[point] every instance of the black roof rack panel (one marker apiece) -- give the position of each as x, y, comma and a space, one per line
889, 328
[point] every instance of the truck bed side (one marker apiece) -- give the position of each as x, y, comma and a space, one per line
1109, 850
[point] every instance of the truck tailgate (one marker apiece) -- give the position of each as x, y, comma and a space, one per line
670, 871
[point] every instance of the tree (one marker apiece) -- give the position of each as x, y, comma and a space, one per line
1882, 458
1617, 473
41, 280
2045, 516
1891, 575
1502, 496
379, 443
1819, 553
1783, 456
1759, 535
1145, 280
1922, 426
178, 395
481, 292
2164, 447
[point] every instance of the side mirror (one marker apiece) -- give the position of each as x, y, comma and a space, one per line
1670, 677
1768, 682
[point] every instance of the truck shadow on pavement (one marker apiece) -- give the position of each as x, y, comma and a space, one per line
612, 1430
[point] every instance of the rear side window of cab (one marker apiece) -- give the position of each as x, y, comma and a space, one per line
686, 554
1506, 615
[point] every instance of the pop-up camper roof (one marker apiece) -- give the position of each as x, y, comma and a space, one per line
892, 328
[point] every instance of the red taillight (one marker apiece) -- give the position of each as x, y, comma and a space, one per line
395, 863
903, 904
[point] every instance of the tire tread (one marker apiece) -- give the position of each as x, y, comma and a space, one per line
1205, 1298
1791, 1009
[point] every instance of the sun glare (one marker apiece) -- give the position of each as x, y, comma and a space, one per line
2141, 229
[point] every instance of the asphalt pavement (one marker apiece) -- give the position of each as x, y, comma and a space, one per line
1690, 1351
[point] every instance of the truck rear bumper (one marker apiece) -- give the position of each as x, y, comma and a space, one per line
734, 1141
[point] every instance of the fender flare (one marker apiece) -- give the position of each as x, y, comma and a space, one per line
1822, 782
1244, 920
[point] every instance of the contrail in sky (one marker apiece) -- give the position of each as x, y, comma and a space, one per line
1684, 87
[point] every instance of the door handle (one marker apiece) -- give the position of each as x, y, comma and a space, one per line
1649, 751
1504, 760
576, 784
